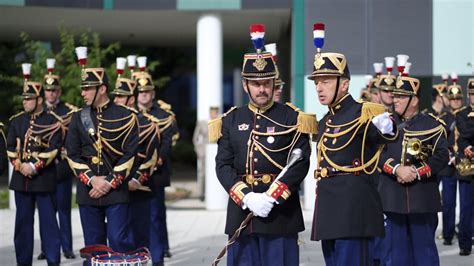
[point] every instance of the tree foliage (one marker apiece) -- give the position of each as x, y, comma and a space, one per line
36, 53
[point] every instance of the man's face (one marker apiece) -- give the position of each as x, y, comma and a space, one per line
146, 97
471, 98
260, 91
386, 97
121, 100
455, 103
52, 95
326, 88
277, 93
213, 114
400, 103
29, 104
374, 97
88, 94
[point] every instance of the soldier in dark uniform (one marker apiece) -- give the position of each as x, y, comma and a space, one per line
159, 245
3, 149
373, 90
64, 175
448, 175
408, 185
101, 146
254, 143
33, 142
146, 161
464, 144
348, 211
386, 85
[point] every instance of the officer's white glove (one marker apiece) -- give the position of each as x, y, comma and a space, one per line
383, 123
259, 203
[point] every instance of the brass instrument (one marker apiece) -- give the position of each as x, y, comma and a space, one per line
415, 147
465, 167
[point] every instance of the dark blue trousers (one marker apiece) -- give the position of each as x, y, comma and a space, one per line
116, 230
410, 239
63, 199
264, 250
348, 251
448, 195
466, 195
24, 226
381, 247
139, 212
158, 229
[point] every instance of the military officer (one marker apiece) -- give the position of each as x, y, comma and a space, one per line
63, 112
350, 139
408, 185
447, 175
386, 85
254, 143
101, 145
373, 90
139, 185
33, 142
160, 179
464, 144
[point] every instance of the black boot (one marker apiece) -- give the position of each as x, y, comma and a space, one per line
41, 256
464, 252
69, 255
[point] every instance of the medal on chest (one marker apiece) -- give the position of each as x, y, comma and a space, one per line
270, 139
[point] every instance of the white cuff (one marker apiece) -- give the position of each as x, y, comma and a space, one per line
395, 169
90, 181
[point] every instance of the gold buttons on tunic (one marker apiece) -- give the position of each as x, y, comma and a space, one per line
266, 179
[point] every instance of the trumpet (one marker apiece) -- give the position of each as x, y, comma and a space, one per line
416, 148
465, 167
413, 146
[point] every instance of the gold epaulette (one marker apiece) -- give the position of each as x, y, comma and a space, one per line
440, 120
71, 107
1, 125
164, 105
455, 112
13, 116
215, 127
56, 116
307, 122
73, 111
133, 110
369, 110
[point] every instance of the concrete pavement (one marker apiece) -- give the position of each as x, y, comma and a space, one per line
196, 237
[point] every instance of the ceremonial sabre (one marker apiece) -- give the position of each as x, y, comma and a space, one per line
296, 155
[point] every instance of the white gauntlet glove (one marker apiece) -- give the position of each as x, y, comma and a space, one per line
259, 203
383, 123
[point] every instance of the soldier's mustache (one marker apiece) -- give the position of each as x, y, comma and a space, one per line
262, 94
